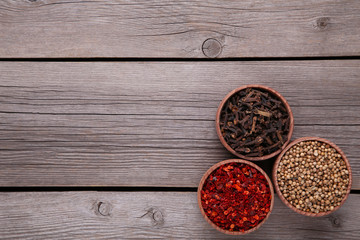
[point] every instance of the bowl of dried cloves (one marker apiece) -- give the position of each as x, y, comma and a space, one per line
312, 176
254, 122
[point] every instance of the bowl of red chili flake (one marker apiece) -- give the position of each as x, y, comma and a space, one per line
235, 196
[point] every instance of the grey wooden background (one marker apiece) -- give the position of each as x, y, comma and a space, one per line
120, 94
164, 28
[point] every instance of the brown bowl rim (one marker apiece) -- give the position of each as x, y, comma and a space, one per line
227, 146
206, 175
276, 185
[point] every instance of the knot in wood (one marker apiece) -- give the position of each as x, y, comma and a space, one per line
211, 48
335, 221
155, 215
104, 208
158, 217
322, 23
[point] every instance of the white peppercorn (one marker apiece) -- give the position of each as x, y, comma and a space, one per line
313, 177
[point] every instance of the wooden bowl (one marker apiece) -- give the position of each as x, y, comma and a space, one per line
276, 164
206, 175
266, 89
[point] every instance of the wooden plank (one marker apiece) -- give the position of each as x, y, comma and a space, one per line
166, 215
178, 29
152, 124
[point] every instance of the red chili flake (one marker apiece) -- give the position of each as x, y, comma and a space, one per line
236, 197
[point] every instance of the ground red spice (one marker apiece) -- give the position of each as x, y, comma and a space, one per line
236, 197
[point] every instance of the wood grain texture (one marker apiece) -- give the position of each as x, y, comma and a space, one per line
152, 124
178, 29
166, 215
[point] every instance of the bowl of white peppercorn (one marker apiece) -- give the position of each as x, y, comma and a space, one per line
312, 176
